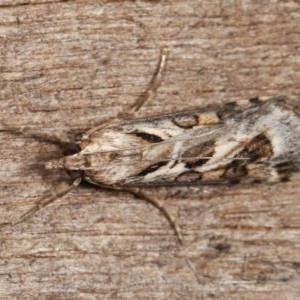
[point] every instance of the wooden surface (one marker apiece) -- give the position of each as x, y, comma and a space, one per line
67, 65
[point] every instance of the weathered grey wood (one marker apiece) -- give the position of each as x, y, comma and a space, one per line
66, 66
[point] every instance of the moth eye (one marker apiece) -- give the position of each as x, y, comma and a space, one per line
70, 149
74, 174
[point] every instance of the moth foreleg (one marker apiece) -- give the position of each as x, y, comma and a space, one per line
44, 202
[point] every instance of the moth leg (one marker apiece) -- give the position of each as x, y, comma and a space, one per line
154, 83
44, 202
171, 219
39, 134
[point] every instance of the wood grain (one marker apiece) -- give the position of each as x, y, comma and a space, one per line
68, 65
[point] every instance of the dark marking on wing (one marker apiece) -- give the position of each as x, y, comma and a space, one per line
228, 110
152, 168
190, 177
196, 163
285, 169
205, 149
255, 100
257, 150
185, 122
152, 138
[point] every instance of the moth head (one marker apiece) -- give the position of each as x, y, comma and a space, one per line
70, 162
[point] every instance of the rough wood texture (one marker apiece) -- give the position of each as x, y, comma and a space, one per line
67, 65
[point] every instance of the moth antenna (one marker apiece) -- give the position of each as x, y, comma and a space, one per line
44, 202
154, 83
151, 90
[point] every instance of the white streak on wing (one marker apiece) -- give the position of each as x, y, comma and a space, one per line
221, 156
166, 172
112, 141
163, 133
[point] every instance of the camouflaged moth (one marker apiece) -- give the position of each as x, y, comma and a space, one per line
252, 142
241, 142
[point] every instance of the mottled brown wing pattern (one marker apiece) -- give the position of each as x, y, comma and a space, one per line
250, 141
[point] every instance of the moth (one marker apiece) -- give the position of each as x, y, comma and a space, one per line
248, 142
251, 142
243, 142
